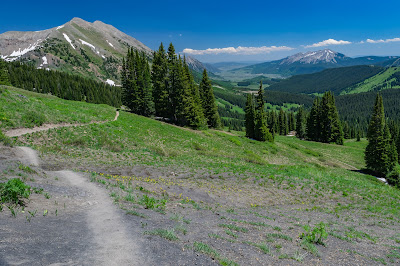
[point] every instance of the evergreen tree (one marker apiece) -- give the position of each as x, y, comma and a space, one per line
313, 122
4, 79
261, 131
358, 134
392, 151
159, 79
301, 123
380, 154
208, 102
147, 103
137, 84
291, 122
331, 129
398, 146
250, 116
283, 126
272, 122
346, 130
192, 111
175, 88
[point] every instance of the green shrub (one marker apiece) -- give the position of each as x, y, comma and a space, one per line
14, 191
32, 119
152, 203
316, 235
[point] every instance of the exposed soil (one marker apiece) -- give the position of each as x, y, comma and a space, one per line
81, 218
77, 224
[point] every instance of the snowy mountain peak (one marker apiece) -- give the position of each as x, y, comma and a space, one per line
314, 57
91, 49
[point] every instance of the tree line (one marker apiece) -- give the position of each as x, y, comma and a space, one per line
60, 84
168, 90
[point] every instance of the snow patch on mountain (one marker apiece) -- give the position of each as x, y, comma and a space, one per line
68, 40
88, 44
110, 44
24, 51
110, 82
322, 56
60, 27
44, 58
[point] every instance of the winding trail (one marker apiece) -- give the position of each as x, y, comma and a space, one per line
113, 242
22, 131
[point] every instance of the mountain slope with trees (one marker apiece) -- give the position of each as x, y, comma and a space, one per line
335, 80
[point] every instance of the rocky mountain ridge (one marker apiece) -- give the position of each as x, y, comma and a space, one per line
312, 62
89, 49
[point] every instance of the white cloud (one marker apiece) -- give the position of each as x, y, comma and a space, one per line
383, 41
374, 41
328, 42
238, 50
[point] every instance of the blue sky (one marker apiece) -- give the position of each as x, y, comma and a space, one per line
265, 30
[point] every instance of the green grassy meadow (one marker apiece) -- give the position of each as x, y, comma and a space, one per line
219, 193
21, 108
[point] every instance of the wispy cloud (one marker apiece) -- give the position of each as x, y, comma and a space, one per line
238, 50
383, 41
328, 42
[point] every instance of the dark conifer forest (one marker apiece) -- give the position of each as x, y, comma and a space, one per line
62, 85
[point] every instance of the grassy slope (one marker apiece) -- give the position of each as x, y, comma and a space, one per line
17, 106
370, 83
296, 182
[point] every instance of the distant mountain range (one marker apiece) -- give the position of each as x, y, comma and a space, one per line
316, 61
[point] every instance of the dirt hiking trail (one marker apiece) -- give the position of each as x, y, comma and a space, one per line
110, 242
22, 131
114, 247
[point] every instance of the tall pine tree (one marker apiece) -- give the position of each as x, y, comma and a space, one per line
331, 128
313, 122
323, 123
261, 131
301, 123
380, 154
137, 84
159, 78
250, 113
175, 86
208, 102
192, 111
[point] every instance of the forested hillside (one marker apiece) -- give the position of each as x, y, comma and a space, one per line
62, 85
335, 80
356, 108
388, 79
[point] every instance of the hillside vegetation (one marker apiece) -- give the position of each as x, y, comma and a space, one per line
335, 80
234, 199
21, 108
388, 79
